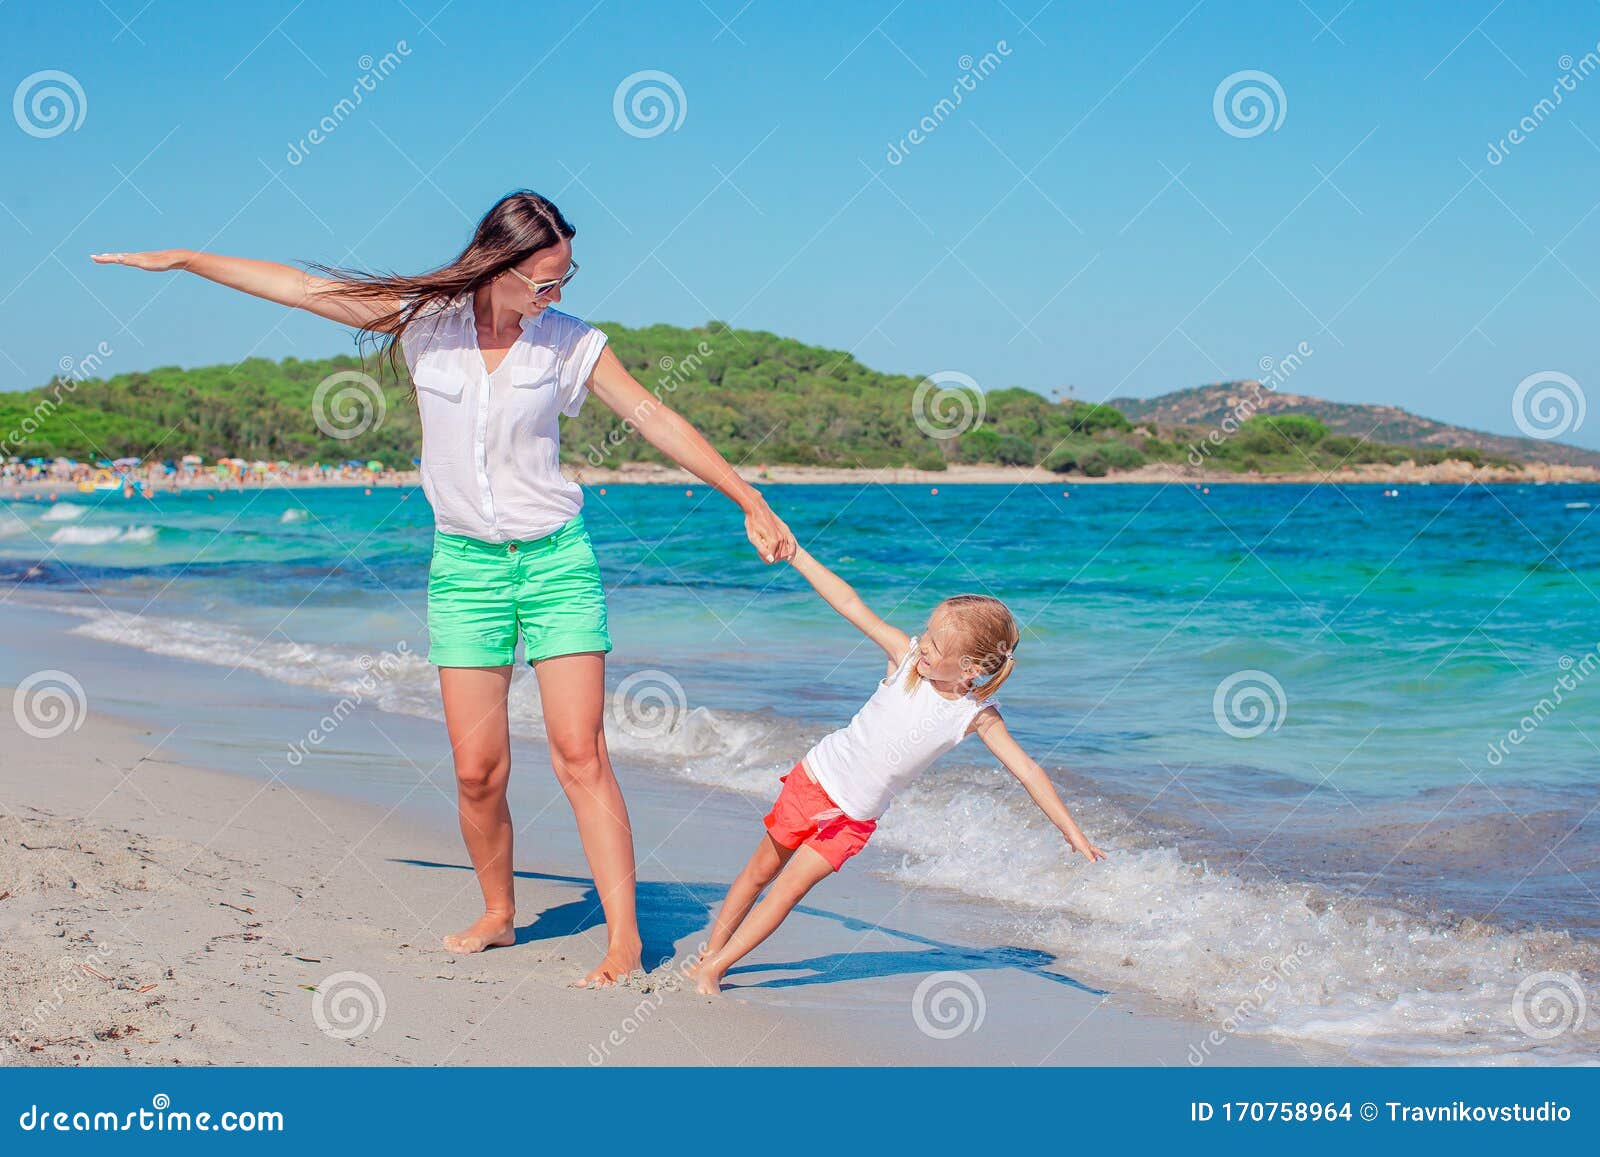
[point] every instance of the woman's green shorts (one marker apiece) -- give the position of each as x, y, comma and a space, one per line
482, 594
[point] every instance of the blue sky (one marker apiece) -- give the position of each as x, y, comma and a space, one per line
1081, 218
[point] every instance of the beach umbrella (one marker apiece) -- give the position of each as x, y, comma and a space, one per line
128, 462
374, 465
191, 459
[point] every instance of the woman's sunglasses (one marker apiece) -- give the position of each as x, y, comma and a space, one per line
545, 288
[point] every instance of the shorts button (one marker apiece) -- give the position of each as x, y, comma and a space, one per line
512, 548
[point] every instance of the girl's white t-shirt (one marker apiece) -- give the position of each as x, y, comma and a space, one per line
895, 736
491, 443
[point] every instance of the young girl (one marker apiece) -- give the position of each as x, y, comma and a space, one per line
939, 689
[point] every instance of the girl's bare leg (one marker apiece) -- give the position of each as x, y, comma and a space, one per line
572, 688
763, 867
805, 868
480, 740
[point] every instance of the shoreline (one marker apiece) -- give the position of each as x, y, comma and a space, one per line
649, 474
353, 883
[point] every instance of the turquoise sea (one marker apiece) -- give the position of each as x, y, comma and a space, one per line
1344, 746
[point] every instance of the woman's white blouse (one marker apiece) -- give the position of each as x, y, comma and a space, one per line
491, 450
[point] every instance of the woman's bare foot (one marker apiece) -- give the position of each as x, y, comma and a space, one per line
622, 961
490, 931
708, 977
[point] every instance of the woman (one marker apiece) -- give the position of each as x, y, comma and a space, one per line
493, 366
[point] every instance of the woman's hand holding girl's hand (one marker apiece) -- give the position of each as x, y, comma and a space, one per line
773, 540
1080, 844
156, 260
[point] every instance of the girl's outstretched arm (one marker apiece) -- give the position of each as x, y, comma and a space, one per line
668, 431
842, 597
283, 284
992, 730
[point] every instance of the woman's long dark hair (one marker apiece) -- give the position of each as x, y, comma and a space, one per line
519, 225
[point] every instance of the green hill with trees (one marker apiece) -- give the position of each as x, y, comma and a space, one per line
760, 398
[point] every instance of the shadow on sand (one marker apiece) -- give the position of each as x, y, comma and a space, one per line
672, 912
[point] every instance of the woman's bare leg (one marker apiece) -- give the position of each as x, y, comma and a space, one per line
763, 867
573, 690
480, 740
804, 870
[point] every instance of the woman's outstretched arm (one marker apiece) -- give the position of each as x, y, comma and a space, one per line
666, 430
283, 284
842, 597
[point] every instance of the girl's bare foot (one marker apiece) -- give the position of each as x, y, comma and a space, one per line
490, 931
622, 960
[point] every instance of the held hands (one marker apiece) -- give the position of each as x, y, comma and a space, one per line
155, 260
773, 540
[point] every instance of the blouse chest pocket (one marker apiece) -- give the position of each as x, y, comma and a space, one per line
533, 392
437, 377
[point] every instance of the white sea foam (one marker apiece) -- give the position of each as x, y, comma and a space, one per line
100, 535
64, 512
295, 514
11, 526
1245, 953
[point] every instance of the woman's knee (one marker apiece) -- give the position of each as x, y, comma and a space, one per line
578, 762
482, 775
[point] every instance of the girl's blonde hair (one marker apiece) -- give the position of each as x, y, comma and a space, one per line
988, 635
